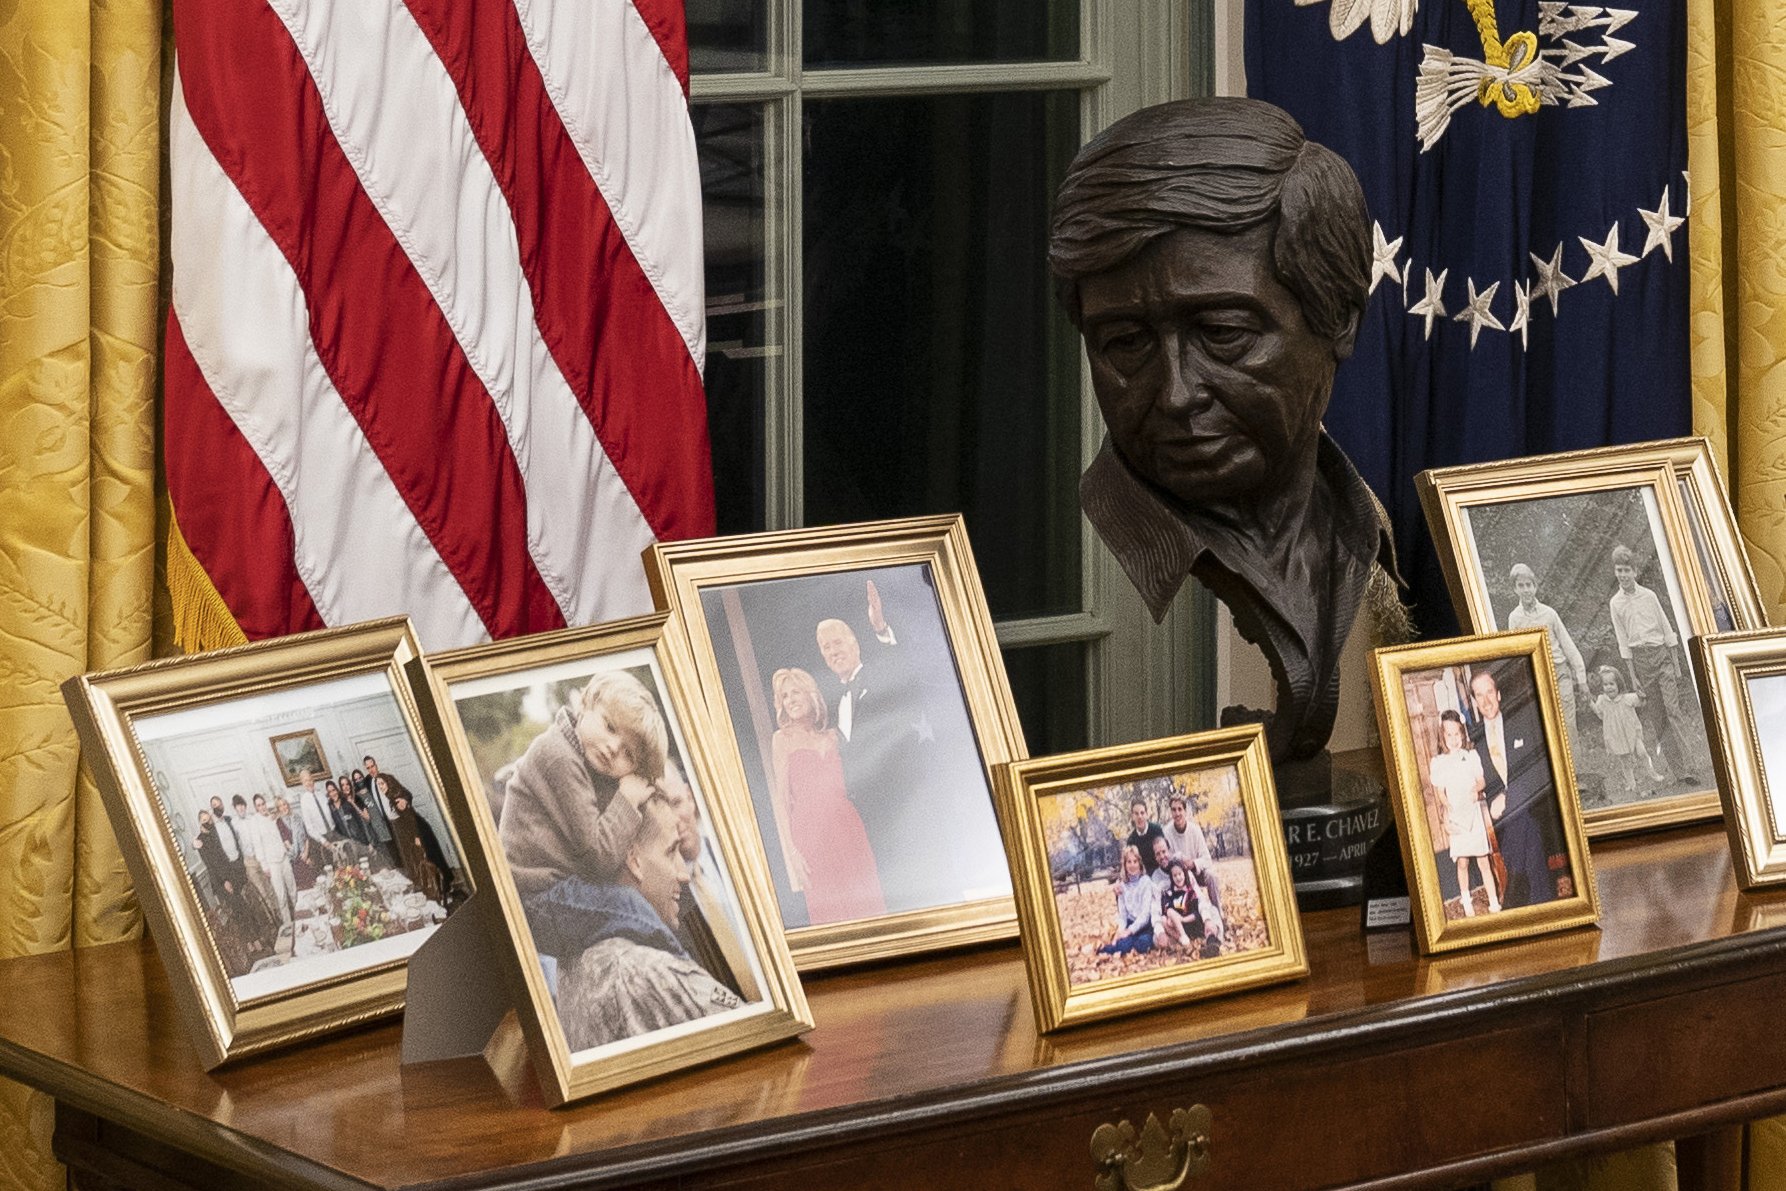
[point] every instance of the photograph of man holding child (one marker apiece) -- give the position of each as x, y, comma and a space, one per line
1594, 569
857, 743
631, 913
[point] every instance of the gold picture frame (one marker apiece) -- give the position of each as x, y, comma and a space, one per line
520, 777
1228, 887
752, 607
1562, 517
162, 738
1742, 684
1513, 800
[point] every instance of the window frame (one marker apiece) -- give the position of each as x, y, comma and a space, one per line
1143, 680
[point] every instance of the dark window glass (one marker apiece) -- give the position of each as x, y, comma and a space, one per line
1048, 683
727, 36
939, 374
740, 315
929, 32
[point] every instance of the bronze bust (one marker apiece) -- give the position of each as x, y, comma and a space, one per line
1217, 263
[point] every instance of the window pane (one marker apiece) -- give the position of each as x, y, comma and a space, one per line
741, 316
727, 35
939, 374
1048, 683
874, 32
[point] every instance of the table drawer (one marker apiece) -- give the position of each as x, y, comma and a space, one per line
1690, 1050
1284, 1127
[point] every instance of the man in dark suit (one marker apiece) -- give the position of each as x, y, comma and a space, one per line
1520, 787
905, 752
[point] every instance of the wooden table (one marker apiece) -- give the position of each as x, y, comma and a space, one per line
1381, 1070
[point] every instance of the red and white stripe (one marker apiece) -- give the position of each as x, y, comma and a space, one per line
437, 322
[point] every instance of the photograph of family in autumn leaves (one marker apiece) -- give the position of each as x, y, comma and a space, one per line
1154, 873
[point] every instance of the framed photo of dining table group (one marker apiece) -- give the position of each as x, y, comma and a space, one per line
283, 821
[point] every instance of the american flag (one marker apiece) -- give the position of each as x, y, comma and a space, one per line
437, 325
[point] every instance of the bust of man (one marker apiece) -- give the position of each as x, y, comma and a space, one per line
1217, 264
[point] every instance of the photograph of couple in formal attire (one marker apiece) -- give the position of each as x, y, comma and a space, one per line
1488, 787
303, 874
632, 913
1595, 571
857, 743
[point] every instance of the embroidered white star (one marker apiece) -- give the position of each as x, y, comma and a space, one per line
1477, 313
1430, 306
1383, 254
1662, 226
1552, 281
1522, 311
1605, 260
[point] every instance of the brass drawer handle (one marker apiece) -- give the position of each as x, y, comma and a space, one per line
1160, 1158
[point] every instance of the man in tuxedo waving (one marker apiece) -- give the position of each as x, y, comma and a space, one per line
900, 754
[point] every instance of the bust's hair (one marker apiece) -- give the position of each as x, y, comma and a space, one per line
1222, 165
1521, 571
1622, 556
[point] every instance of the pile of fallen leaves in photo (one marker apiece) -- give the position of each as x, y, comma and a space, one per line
1088, 918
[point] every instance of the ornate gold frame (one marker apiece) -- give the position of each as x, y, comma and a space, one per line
1431, 930
679, 571
1447, 494
104, 706
1021, 786
712, 770
1725, 663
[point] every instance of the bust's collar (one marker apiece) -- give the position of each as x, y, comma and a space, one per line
1158, 540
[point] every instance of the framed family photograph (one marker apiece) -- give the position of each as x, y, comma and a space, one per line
1149, 874
285, 899
1742, 679
616, 838
1483, 789
1598, 550
856, 674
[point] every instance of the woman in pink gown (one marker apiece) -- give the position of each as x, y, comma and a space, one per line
823, 842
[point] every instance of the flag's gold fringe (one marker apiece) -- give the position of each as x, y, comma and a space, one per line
202, 621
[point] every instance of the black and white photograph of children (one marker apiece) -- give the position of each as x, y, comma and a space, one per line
1595, 569
633, 915
857, 743
309, 828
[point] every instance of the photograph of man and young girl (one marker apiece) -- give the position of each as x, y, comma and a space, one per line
857, 743
1488, 787
1595, 571
1153, 873
633, 915
296, 869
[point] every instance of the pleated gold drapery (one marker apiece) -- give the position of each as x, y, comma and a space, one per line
79, 249
1736, 111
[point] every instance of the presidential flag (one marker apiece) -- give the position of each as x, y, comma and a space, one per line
437, 320
1525, 167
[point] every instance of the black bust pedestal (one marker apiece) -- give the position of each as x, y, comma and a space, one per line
1336, 814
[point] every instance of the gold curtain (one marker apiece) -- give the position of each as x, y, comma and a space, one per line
79, 251
1736, 113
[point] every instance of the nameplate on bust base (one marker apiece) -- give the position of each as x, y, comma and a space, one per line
457, 992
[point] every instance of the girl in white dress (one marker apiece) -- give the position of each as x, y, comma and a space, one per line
1456, 774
